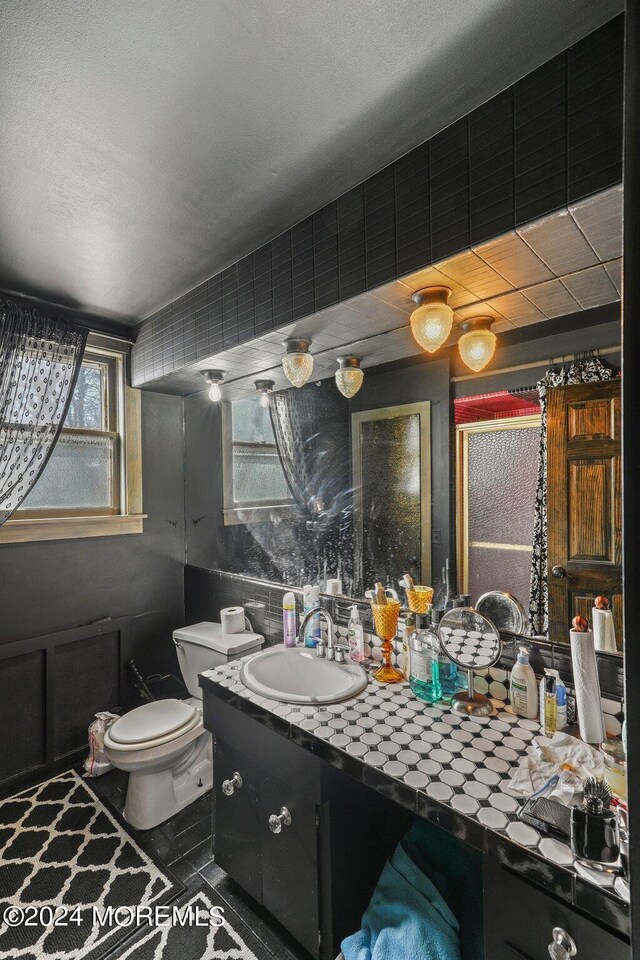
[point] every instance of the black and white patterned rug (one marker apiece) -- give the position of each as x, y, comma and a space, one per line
64, 861
202, 940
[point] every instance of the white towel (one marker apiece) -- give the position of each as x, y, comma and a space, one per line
545, 759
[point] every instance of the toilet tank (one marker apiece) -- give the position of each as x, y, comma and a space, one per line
203, 646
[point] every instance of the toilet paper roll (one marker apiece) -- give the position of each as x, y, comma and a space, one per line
232, 620
604, 632
587, 687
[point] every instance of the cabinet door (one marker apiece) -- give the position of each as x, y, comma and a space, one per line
290, 889
237, 819
584, 502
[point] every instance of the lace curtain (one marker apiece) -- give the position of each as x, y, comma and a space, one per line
40, 359
588, 369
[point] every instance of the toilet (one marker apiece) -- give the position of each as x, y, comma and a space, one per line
163, 745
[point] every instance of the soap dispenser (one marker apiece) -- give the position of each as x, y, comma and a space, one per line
424, 668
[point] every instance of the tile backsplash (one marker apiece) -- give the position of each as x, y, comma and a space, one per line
208, 591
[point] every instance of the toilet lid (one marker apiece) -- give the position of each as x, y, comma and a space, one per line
152, 720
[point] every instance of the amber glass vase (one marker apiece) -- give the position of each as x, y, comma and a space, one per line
419, 599
385, 622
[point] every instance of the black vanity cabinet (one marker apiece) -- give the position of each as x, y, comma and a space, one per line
520, 920
314, 864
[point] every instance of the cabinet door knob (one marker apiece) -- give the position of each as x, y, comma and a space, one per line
278, 820
229, 786
558, 572
563, 946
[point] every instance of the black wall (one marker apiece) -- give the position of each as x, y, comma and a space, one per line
551, 139
56, 584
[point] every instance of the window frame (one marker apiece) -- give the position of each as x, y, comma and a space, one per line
123, 424
235, 512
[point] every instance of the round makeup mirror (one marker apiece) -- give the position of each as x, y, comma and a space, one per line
473, 643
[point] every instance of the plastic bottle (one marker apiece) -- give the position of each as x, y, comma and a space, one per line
289, 619
409, 627
550, 707
523, 690
307, 605
424, 668
548, 672
355, 636
561, 704
316, 628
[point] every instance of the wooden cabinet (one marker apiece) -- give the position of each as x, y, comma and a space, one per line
316, 874
524, 931
584, 502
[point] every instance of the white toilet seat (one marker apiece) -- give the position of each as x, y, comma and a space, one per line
152, 725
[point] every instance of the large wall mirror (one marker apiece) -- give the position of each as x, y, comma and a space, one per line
355, 497
506, 464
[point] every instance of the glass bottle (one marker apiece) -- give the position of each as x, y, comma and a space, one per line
424, 668
449, 679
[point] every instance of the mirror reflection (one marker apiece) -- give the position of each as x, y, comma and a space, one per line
498, 489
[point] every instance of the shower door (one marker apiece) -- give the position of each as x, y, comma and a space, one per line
391, 460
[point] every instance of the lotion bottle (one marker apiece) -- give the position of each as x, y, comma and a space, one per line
355, 636
523, 690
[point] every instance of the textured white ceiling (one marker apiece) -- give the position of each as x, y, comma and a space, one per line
545, 270
147, 144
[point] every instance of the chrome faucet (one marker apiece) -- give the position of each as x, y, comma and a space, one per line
320, 612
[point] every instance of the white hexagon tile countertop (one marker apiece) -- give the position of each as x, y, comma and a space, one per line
462, 763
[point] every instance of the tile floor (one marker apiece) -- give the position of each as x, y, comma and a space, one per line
184, 844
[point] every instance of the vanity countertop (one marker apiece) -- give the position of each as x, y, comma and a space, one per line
451, 770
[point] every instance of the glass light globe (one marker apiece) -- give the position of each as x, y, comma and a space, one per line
297, 363
431, 323
215, 393
349, 377
264, 400
477, 347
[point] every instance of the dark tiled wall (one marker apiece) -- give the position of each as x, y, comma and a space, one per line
549, 140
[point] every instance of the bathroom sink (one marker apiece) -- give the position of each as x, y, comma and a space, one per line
296, 675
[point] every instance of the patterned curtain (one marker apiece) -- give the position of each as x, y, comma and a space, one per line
292, 419
311, 433
40, 359
586, 369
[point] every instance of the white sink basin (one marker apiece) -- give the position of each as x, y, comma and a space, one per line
296, 675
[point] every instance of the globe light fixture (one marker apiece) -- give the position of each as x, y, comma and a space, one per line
431, 323
297, 362
263, 389
215, 378
349, 376
478, 343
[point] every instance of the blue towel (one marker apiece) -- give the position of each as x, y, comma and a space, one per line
407, 919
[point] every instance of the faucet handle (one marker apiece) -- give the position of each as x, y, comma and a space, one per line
341, 650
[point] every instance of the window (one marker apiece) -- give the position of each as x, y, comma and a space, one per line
93, 474
254, 481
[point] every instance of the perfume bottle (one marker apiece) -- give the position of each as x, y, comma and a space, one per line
424, 667
595, 833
